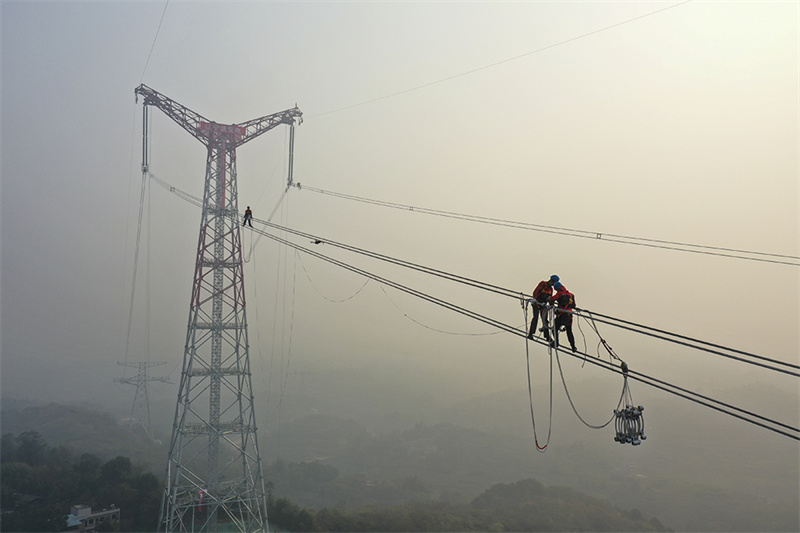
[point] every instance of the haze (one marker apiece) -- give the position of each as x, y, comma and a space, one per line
670, 121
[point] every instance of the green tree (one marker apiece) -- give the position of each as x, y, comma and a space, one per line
116, 470
46, 517
286, 514
31, 448
8, 448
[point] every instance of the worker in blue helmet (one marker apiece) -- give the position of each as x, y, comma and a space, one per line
248, 217
565, 303
541, 297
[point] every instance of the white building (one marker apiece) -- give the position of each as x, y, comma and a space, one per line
82, 517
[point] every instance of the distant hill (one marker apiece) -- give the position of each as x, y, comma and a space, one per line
451, 463
523, 506
528, 505
83, 429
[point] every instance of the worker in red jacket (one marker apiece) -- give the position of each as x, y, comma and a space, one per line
565, 303
248, 217
541, 297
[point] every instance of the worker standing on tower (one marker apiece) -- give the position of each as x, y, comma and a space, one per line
248, 217
565, 302
541, 297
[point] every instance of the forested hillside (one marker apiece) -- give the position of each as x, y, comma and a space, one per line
87, 430
78, 455
342, 467
523, 506
40, 483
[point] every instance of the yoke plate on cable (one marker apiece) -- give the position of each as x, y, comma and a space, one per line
630, 425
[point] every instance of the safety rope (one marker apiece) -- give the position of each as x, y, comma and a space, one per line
629, 422
539, 447
246, 259
572, 404
274, 209
553, 349
602, 342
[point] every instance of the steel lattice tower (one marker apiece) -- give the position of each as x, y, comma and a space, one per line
214, 472
140, 412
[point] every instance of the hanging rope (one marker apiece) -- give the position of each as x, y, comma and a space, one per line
602, 340
417, 322
539, 447
246, 259
629, 421
572, 404
311, 282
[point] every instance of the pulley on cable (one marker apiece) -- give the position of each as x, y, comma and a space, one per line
629, 421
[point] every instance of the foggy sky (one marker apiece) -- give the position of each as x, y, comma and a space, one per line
680, 126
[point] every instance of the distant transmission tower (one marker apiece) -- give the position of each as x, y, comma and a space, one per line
140, 412
214, 478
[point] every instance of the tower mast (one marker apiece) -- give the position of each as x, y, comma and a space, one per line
140, 412
214, 466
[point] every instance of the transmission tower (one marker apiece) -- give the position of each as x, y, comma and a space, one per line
214, 478
140, 412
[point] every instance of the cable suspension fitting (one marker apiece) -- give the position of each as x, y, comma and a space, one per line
630, 421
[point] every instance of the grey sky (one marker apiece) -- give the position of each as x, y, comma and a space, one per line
681, 126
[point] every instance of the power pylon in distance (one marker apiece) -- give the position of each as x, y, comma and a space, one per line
140, 412
214, 478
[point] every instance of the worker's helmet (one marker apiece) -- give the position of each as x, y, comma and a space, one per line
554, 278
557, 285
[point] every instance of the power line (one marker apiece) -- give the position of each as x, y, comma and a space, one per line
690, 342
147, 63
717, 405
723, 407
501, 62
716, 349
571, 232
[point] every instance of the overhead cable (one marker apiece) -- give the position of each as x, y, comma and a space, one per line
684, 393
761, 361
715, 349
717, 405
766, 257
691, 343
758, 360
501, 62
152, 47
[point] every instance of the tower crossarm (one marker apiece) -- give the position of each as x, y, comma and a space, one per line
209, 132
255, 127
185, 117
